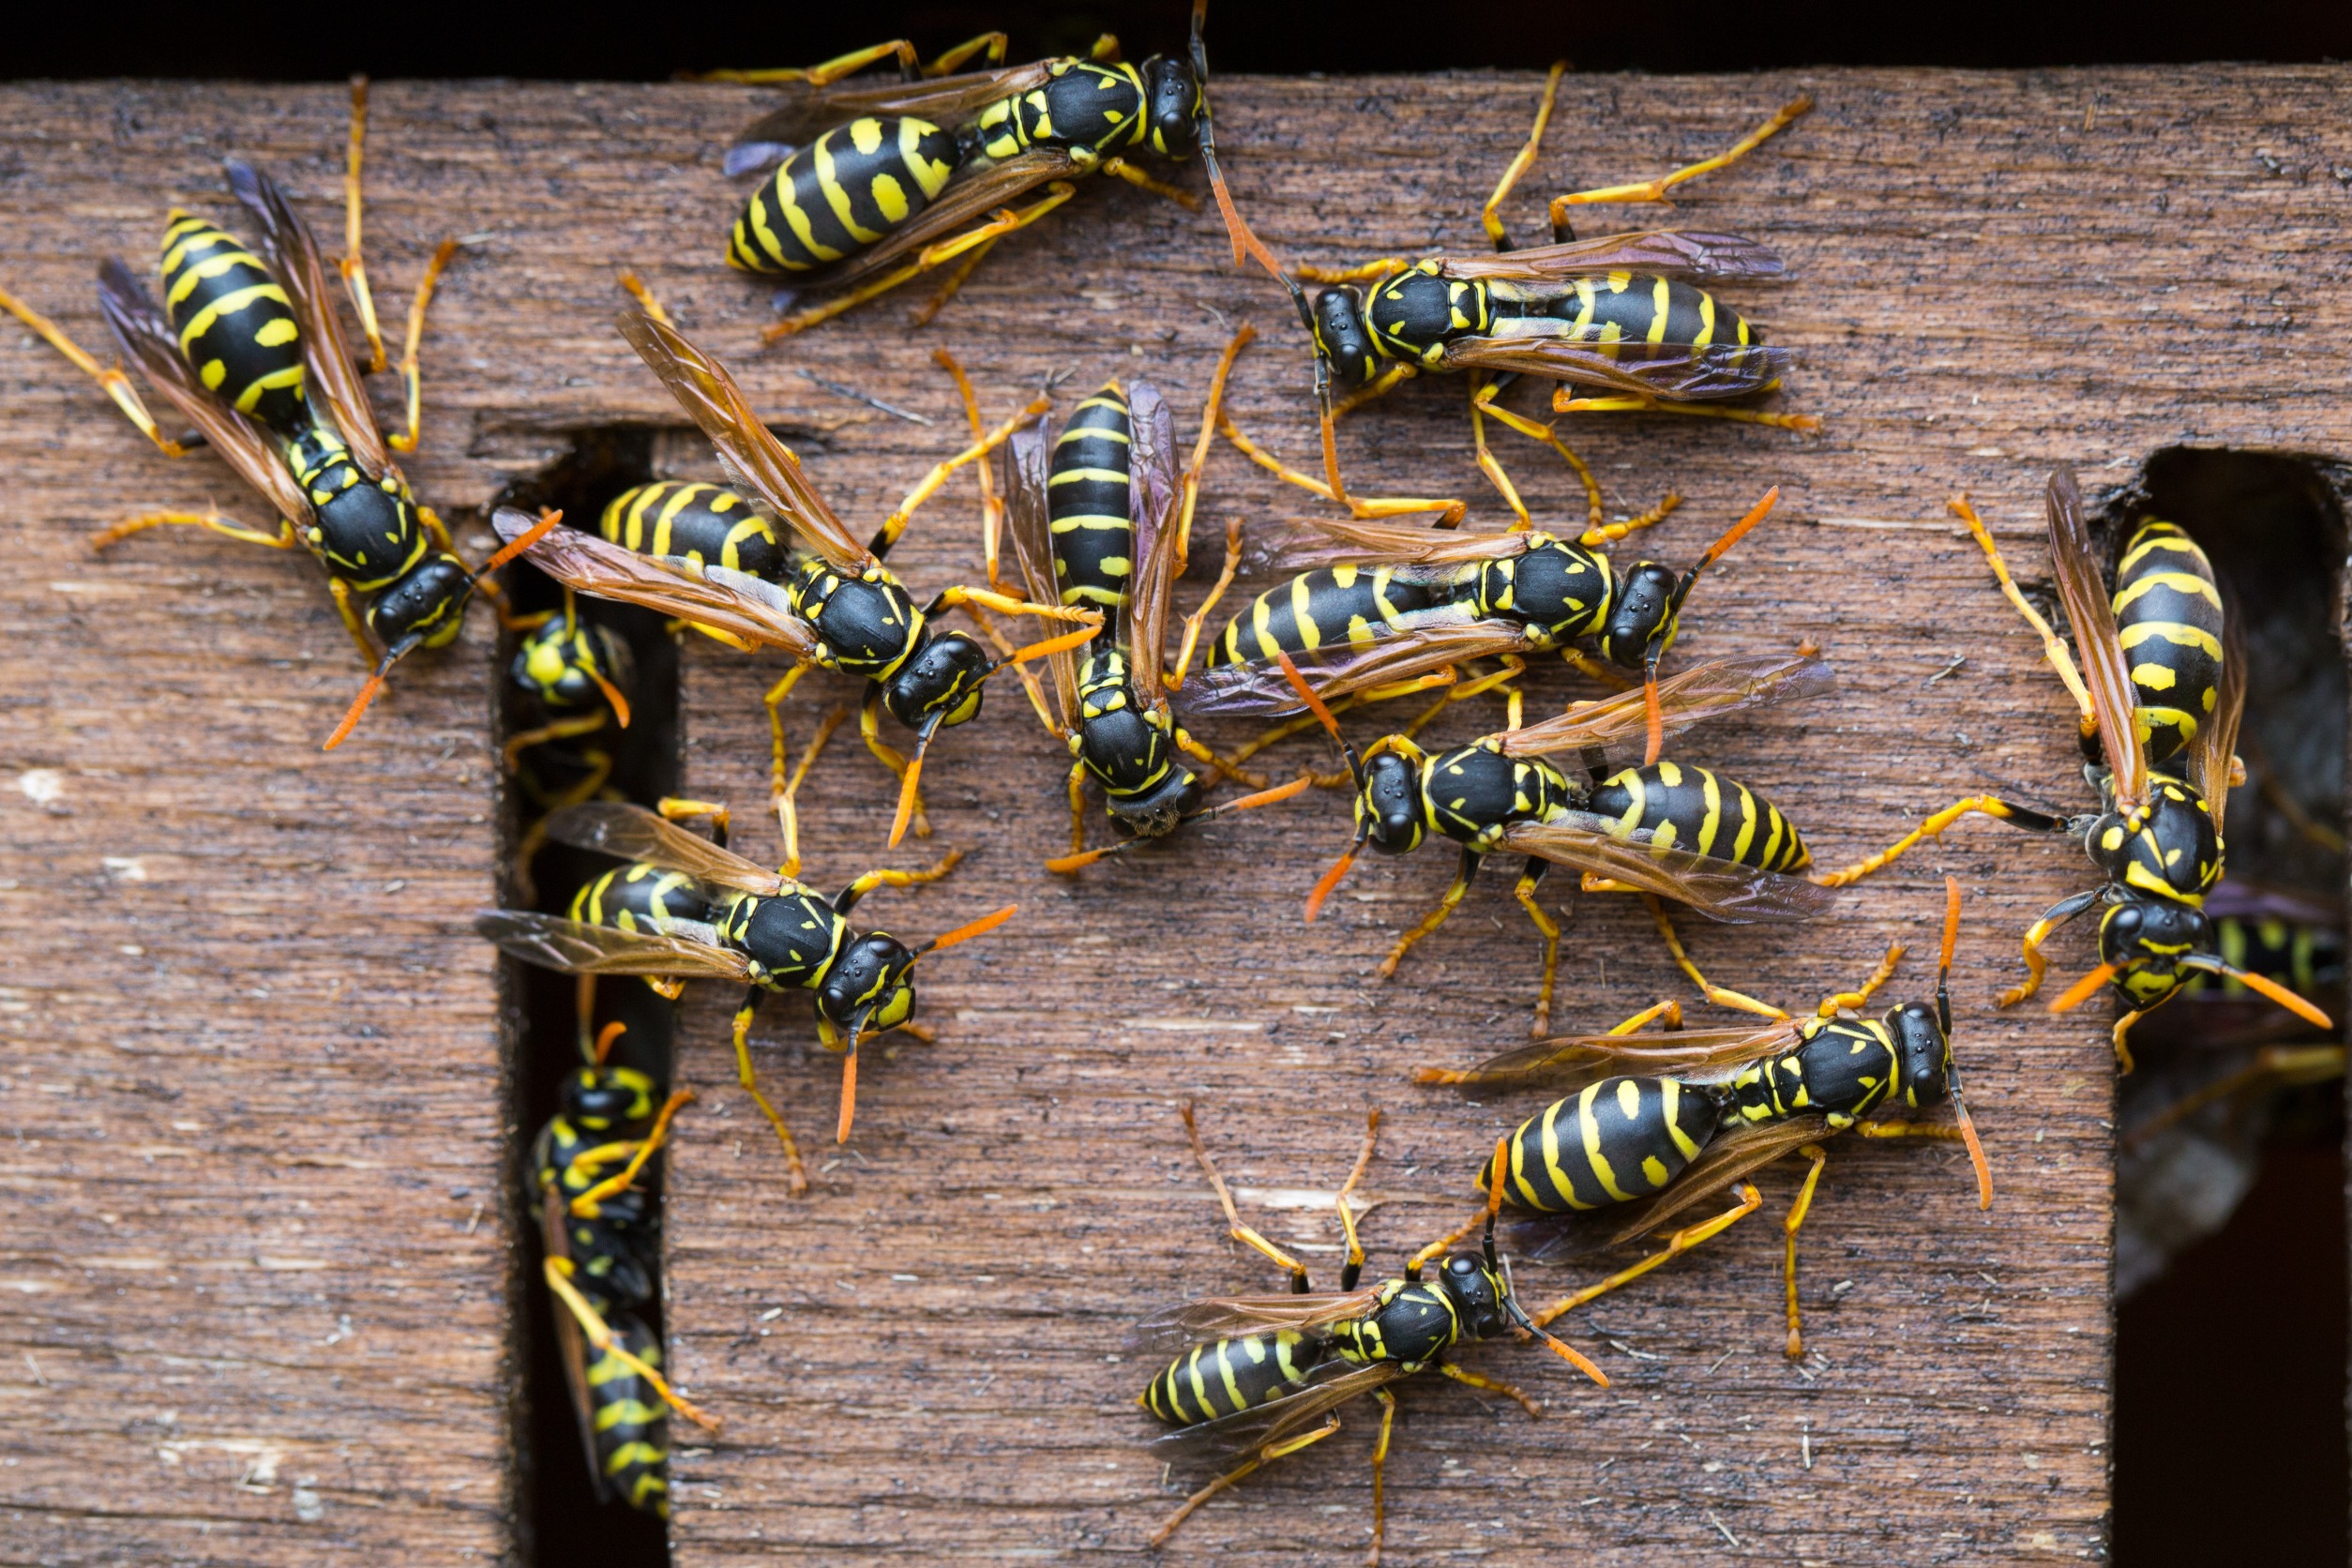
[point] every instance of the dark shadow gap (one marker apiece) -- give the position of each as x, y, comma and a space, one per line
2230, 1226
561, 1519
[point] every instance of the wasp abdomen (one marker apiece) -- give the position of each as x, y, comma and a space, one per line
629, 1424
2168, 612
1645, 307
841, 193
1086, 499
704, 523
1691, 808
1332, 606
1614, 1141
235, 325
640, 897
1228, 1375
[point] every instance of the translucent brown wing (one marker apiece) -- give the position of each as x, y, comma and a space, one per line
2107, 668
1172, 1328
1668, 371
1732, 1157
1671, 252
632, 833
766, 466
1709, 690
1152, 496
149, 342
1402, 542
734, 602
1431, 639
1230, 1436
576, 947
808, 113
1718, 889
1028, 465
571, 1344
1568, 1062
2216, 744
968, 197
332, 375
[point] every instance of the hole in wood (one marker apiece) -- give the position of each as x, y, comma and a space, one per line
563, 1518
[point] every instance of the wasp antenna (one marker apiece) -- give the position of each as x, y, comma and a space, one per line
1951, 927
1068, 639
619, 703
1731, 536
1331, 878
392, 655
979, 928
607, 1038
849, 1080
2081, 990
1976, 1150
521, 542
911, 777
2266, 986
1315, 705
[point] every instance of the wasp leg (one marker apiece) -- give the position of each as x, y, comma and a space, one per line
1352, 1269
1003, 222
778, 799
1856, 1000
112, 380
585, 1206
1513, 668
1271, 1452
797, 1174
1378, 387
869, 729
353, 622
1435, 917
635, 287
1525, 894
826, 73
1364, 272
951, 285
1211, 414
1670, 1010
896, 524
961, 595
677, 809
847, 899
993, 45
788, 791
226, 527
1720, 996
1020, 673
1616, 530
1199, 753
1234, 1227
2119, 1034
1121, 168
1077, 807
1796, 1219
354, 269
562, 730
2053, 646
1379, 1468
1482, 395
1988, 806
2038, 932
1586, 665
991, 504
1564, 401
1491, 1385
1655, 191
412, 378
1364, 507
592, 1324
1678, 1244
1525, 158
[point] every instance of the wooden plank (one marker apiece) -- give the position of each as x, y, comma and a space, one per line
1972, 252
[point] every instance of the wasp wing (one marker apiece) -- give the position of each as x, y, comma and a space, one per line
968, 196
1568, 1062
633, 833
1709, 690
1151, 494
809, 111
1672, 372
1223, 1316
708, 392
1028, 466
149, 342
687, 949
2241, 898
2106, 668
1430, 639
332, 373
1716, 888
737, 603
1675, 252
1733, 1157
570, 1344
2213, 752
1230, 1436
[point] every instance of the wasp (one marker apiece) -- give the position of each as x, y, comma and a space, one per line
1620, 314
2157, 682
248, 349
590, 1180
871, 185
578, 674
1098, 520
1656, 1123
1266, 1376
685, 907
1663, 829
839, 608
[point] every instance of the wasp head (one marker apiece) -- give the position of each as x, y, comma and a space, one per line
940, 683
1388, 796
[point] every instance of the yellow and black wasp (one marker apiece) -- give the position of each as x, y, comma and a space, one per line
1619, 315
248, 348
1655, 1123
836, 608
2157, 683
871, 185
1266, 1376
1099, 519
578, 674
685, 907
591, 1181
1663, 829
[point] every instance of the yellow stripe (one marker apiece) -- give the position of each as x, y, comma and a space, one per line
263, 386
1309, 636
1590, 1126
1748, 824
2179, 633
1552, 1168
228, 304
837, 194
1072, 475
1713, 793
1670, 1098
2180, 583
1658, 298
1706, 320
208, 267
1261, 614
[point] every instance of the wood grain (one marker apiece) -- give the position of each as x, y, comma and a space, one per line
257, 1083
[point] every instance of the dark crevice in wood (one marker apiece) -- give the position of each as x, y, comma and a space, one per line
559, 1518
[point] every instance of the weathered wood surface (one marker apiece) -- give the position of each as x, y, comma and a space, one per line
258, 1261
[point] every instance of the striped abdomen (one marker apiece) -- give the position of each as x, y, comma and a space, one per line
2169, 614
1843, 1068
628, 1424
1325, 608
1081, 106
637, 897
235, 325
841, 193
1643, 308
1685, 807
1228, 1375
1616, 1140
706, 524
1086, 498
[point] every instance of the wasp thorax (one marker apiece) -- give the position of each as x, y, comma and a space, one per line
942, 677
1644, 611
1388, 806
424, 607
597, 1098
869, 980
1341, 337
1171, 104
1922, 1054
